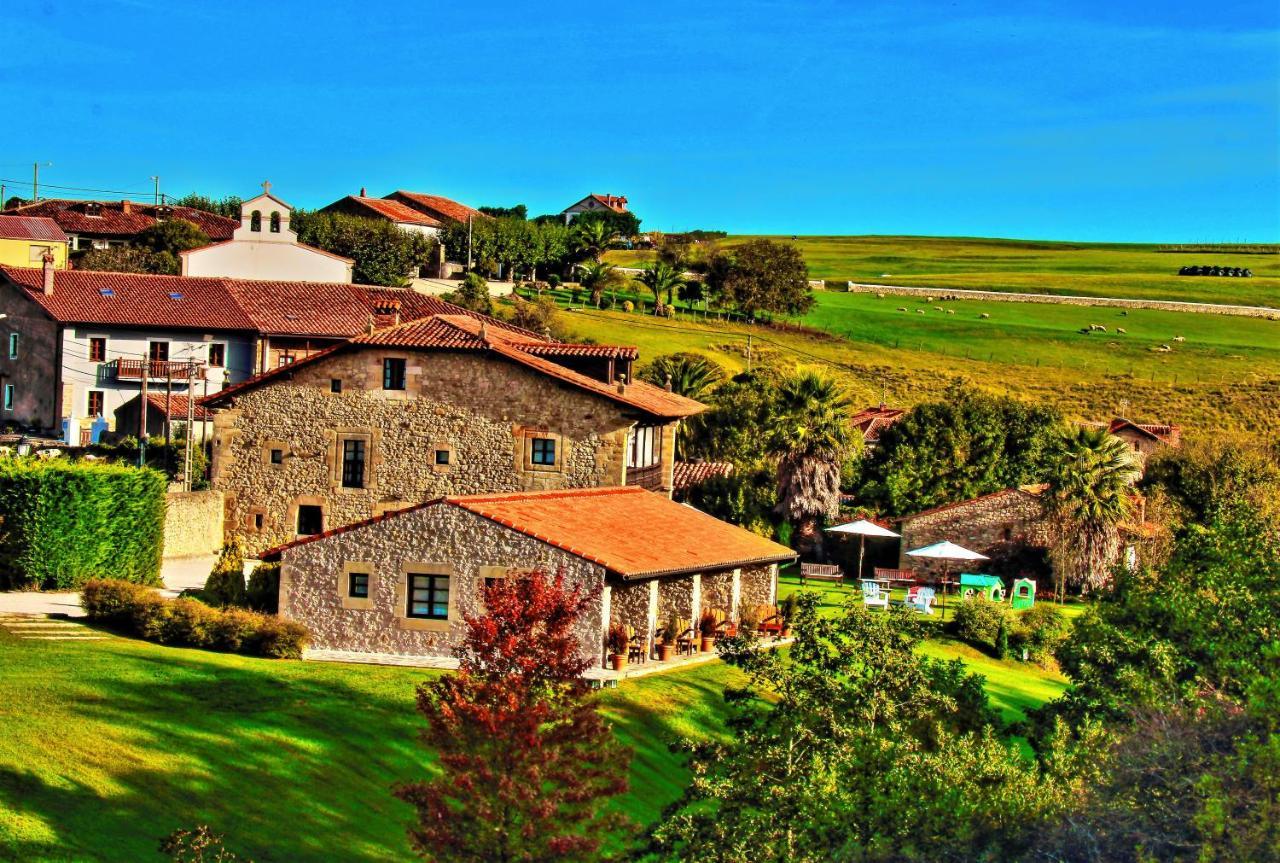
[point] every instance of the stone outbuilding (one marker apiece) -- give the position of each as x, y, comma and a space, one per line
982, 524
401, 584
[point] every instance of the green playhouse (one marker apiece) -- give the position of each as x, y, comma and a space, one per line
989, 587
1024, 593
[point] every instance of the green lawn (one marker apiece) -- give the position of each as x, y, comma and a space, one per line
110, 745
1083, 269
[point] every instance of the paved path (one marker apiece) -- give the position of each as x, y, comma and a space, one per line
179, 574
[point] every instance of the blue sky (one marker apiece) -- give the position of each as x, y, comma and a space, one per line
1138, 121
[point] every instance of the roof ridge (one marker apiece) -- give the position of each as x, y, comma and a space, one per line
547, 494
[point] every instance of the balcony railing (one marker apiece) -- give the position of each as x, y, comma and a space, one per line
157, 370
645, 477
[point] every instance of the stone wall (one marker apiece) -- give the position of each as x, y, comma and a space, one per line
980, 525
432, 538
34, 372
675, 598
481, 410
193, 523
717, 592
758, 585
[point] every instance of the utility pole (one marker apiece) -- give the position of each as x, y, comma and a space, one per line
748, 353
142, 413
157, 180
35, 182
2, 197
168, 420
191, 416
469, 243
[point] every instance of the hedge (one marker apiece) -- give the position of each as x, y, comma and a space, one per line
62, 523
189, 622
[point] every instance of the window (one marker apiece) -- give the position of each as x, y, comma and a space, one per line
95, 403
13, 346
358, 585
217, 355
310, 520
35, 254
275, 222
646, 446
255, 222
277, 456
285, 358
97, 349
258, 519
335, 385
542, 451
159, 351
8, 397
428, 597
442, 457
392, 374
353, 464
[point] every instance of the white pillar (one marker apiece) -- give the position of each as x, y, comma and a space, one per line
773, 584
606, 611
653, 610
696, 604
735, 595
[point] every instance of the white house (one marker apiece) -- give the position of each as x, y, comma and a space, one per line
264, 248
594, 203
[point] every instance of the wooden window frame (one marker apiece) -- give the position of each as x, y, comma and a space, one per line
388, 378
222, 362
403, 595
96, 356
102, 403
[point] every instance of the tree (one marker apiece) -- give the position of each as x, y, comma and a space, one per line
853, 746
384, 254
128, 259
662, 278
964, 445
200, 845
596, 277
809, 438
731, 430
1091, 495
762, 276
540, 315
172, 236
519, 211
624, 225
228, 206
690, 375
592, 237
692, 292
525, 760
473, 294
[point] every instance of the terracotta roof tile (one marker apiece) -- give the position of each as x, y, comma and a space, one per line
617, 528
112, 221
687, 474
436, 206
31, 228
395, 211
872, 421
1031, 490
177, 406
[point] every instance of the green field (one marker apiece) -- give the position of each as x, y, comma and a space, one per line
110, 745
1083, 269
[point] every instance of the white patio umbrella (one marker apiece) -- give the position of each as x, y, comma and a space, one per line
944, 551
862, 529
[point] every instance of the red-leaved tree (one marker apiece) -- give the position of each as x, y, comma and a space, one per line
526, 762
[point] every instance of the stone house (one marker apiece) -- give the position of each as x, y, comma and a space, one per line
1144, 438
446, 405
1014, 516
401, 215
109, 224
401, 583
870, 422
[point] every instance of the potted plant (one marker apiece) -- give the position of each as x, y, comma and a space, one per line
668, 634
707, 626
787, 609
618, 644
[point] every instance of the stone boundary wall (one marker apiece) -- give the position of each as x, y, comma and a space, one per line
193, 523
1064, 299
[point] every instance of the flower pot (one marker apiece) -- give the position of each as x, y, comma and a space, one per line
665, 652
618, 660
708, 643
786, 632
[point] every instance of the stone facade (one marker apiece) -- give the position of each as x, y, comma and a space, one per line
193, 523
982, 524
433, 539
481, 410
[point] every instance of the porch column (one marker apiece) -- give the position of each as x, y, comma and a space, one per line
606, 613
695, 603
653, 612
773, 584
735, 595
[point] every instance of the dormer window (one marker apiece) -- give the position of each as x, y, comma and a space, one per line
92, 208
255, 222
275, 222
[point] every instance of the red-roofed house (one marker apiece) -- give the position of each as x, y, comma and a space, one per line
594, 203
24, 240
103, 224
437, 207
264, 248
388, 210
1144, 438
453, 403
870, 422
400, 584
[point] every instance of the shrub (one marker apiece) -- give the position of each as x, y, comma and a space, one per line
1038, 630
225, 585
628, 306
67, 522
978, 621
263, 593
190, 622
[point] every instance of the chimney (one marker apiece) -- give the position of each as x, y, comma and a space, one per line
388, 309
47, 259
126, 207
668, 383
622, 386
363, 194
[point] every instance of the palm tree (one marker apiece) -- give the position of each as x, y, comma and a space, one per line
595, 277
1090, 496
593, 237
662, 278
689, 375
810, 438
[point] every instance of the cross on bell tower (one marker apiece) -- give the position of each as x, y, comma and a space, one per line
266, 187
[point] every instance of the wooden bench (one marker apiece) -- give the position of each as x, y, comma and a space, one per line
907, 575
820, 572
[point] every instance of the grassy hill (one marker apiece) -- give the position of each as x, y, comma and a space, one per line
1084, 269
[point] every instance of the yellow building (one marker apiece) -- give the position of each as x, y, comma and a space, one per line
24, 240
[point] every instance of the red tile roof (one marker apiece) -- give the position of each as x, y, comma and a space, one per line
630, 532
1169, 434
872, 421
395, 211
31, 228
177, 406
1030, 490
436, 206
321, 309
112, 221
687, 474
454, 328
617, 203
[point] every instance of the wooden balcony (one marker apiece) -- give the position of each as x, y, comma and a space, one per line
157, 370
646, 477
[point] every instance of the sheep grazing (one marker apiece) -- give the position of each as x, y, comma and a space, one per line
902, 308
879, 296
928, 299
1124, 314
1165, 348
1179, 339
1097, 328
937, 308
951, 311
984, 315
919, 311
1122, 331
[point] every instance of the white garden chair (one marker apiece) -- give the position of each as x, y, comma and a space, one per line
873, 596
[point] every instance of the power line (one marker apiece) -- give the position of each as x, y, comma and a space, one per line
28, 183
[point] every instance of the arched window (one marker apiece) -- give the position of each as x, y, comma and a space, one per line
255, 221
275, 222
